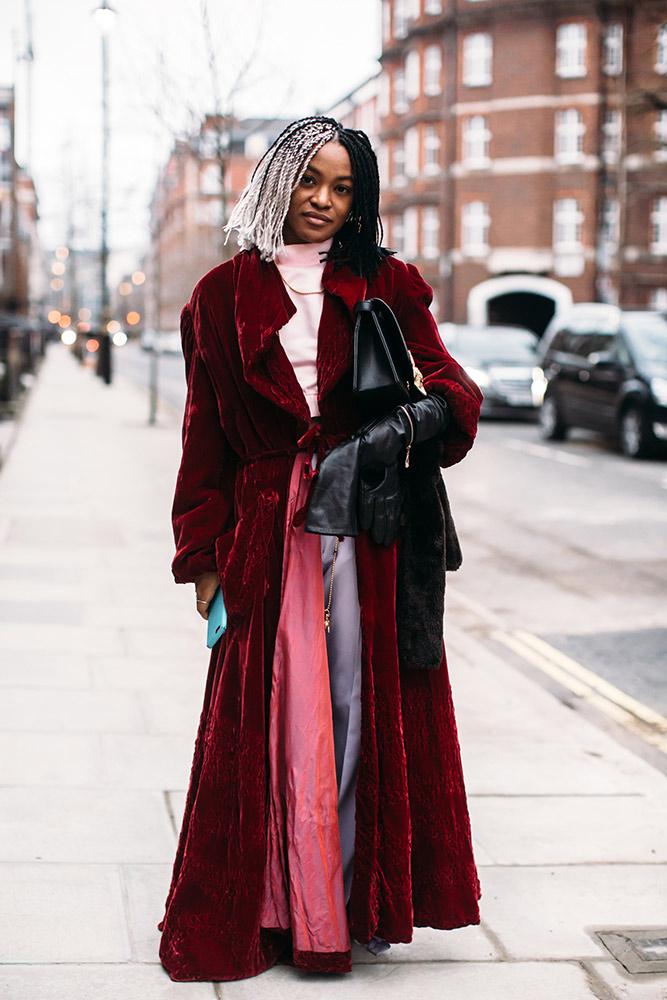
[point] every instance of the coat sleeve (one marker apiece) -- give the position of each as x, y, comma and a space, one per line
203, 505
411, 301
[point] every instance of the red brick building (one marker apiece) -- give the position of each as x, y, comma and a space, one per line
523, 148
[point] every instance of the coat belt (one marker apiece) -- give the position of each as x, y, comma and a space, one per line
313, 442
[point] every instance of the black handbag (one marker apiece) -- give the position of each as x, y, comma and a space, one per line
384, 373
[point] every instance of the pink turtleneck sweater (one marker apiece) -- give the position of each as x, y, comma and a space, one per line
302, 267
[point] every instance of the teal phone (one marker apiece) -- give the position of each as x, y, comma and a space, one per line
217, 619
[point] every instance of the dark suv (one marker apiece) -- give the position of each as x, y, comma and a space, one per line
605, 369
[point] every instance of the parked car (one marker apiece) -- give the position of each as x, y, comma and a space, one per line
605, 369
147, 339
168, 342
501, 360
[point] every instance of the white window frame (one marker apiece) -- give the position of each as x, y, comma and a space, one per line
397, 233
432, 70
412, 75
398, 177
433, 6
400, 98
571, 49
383, 164
431, 157
411, 147
384, 104
658, 221
477, 59
568, 225
569, 132
660, 132
613, 49
475, 136
400, 19
411, 232
430, 232
611, 219
661, 50
386, 21
412, 10
658, 299
612, 129
475, 225
209, 179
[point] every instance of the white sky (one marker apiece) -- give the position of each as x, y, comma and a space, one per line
310, 53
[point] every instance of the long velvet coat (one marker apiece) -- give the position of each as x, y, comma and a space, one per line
413, 858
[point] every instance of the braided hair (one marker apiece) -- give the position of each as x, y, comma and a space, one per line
260, 213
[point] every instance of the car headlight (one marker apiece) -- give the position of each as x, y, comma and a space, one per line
478, 376
659, 389
538, 386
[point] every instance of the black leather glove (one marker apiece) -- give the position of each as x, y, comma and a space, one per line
380, 499
383, 439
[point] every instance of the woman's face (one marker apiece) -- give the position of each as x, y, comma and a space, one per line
323, 197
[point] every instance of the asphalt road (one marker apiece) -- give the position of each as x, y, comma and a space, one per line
565, 541
568, 541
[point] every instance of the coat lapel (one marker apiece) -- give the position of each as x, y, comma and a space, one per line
263, 307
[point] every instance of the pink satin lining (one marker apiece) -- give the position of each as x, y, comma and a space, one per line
303, 879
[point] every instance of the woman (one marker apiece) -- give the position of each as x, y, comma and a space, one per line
326, 799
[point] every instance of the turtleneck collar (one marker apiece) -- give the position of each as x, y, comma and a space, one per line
304, 254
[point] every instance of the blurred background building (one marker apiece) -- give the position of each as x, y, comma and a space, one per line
523, 149
195, 193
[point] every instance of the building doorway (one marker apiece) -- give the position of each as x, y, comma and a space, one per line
517, 300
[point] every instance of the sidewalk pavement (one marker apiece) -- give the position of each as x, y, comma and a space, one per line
102, 665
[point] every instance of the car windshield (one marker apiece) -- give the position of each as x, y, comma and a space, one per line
488, 346
647, 333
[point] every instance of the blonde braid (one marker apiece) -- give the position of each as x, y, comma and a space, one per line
260, 212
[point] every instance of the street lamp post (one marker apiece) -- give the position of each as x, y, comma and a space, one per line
105, 17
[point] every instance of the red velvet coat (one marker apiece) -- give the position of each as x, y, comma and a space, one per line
413, 858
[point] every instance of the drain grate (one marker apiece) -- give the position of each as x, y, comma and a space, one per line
638, 949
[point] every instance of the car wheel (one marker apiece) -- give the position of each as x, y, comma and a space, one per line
636, 436
552, 427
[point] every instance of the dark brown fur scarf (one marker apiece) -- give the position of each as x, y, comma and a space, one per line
428, 547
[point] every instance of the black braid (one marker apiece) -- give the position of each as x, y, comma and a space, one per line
359, 243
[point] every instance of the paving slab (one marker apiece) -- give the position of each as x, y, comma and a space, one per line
62, 759
177, 805
59, 639
97, 982
144, 761
550, 912
429, 981
575, 768
146, 888
559, 830
62, 913
165, 642
25, 668
466, 944
85, 825
627, 987
150, 673
49, 710
167, 712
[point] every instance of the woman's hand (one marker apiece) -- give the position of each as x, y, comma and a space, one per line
205, 587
